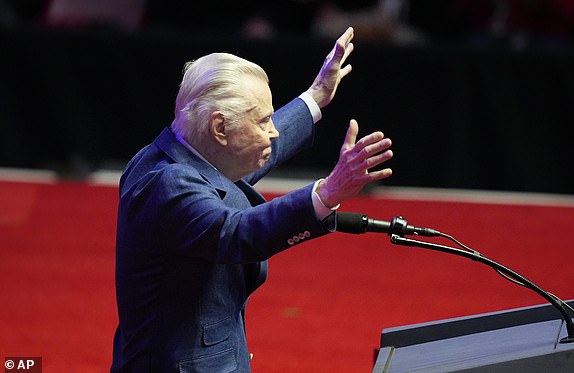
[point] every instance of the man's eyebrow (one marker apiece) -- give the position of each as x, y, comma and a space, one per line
268, 116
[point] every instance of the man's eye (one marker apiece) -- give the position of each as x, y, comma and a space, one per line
264, 122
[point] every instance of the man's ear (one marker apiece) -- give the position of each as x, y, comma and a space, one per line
217, 127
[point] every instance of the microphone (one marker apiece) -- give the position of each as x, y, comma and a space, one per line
356, 223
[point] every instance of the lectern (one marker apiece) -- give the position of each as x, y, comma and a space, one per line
519, 340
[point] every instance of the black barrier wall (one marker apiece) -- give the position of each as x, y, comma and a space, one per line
459, 117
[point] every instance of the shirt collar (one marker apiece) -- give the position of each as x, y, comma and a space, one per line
193, 150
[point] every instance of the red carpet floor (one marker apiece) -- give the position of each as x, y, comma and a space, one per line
325, 303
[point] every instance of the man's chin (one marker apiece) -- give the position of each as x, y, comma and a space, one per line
262, 163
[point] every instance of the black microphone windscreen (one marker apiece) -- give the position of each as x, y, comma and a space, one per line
351, 222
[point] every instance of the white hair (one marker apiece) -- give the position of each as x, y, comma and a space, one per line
212, 83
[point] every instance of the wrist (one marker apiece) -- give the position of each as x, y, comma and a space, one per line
326, 196
318, 94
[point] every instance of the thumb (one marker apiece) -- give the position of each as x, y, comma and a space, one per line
352, 133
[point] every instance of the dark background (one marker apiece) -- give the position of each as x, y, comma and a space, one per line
461, 115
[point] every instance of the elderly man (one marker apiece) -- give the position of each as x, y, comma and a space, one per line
193, 236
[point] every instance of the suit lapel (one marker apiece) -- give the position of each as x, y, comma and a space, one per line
253, 196
256, 274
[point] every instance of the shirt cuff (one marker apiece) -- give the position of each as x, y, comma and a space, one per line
312, 105
321, 211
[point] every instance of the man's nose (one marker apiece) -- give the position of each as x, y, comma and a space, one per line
273, 133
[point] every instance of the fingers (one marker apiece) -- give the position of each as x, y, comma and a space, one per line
370, 151
376, 160
347, 51
347, 36
343, 48
379, 175
343, 43
371, 157
374, 147
342, 51
346, 70
352, 171
366, 141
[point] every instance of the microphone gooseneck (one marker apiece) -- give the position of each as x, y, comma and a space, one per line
397, 228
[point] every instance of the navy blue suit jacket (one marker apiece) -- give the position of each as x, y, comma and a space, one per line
192, 246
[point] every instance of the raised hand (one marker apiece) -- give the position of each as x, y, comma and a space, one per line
325, 84
351, 173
